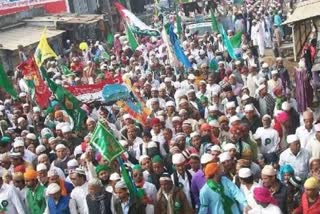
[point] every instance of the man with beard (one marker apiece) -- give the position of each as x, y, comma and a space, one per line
103, 173
98, 199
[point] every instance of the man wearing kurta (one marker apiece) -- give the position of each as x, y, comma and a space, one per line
35, 194
219, 194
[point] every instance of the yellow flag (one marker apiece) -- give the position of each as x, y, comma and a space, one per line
43, 51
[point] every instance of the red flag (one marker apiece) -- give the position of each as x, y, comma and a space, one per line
30, 71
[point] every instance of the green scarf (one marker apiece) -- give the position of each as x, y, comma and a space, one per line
226, 201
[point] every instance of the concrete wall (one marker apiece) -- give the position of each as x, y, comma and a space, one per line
17, 17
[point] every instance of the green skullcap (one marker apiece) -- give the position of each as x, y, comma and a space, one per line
157, 159
101, 168
5, 140
136, 167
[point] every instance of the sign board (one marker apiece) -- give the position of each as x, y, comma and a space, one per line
13, 6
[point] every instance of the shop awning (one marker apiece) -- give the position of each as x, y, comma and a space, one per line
305, 10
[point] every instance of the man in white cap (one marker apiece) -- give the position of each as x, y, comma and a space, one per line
78, 195
18, 146
182, 177
275, 81
313, 144
307, 129
252, 80
199, 179
56, 203
278, 189
251, 118
247, 185
267, 138
10, 200
61, 159
266, 101
296, 156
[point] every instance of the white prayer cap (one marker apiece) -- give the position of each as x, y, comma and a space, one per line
41, 166
191, 91
317, 127
249, 107
265, 65
154, 89
273, 72
41, 148
53, 188
178, 158
292, 138
254, 65
72, 163
52, 172
225, 156
261, 80
268, 170
221, 63
170, 103
231, 104
213, 108
80, 171
114, 177
25, 105
234, 119
22, 94
245, 173
262, 86
215, 148
121, 185
36, 109
123, 143
167, 79
214, 123
31, 136
142, 157
229, 146
2, 107
238, 62
60, 146
194, 134
18, 143
245, 97
191, 77
279, 59
21, 119
286, 106
206, 158
202, 52
66, 128
266, 116
60, 125
176, 118
126, 116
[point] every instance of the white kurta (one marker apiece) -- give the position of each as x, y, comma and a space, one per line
249, 193
10, 196
78, 204
313, 147
267, 210
269, 139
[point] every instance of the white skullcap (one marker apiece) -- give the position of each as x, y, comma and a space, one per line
194, 134
245, 97
123, 143
80, 171
249, 107
215, 148
53, 188
178, 158
126, 116
66, 128
60, 146
229, 146
262, 86
167, 79
286, 106
25, 105
206, 158
225, 156
21, 119
18, 143
191, 77
234, 119
182, 101
114, 177
41, 166
22, 94
53, 172
245, 173
142, 157
72, 163
31, 136
292, 138
170, 103
254, 65
191, 91
201, 52
266, 116
274, 72
265, 65
214, 123
238, 62
176, 118
230, 105
121, 185
41, 148
60, 125
268, 170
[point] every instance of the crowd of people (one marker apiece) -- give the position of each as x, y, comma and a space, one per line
225, 136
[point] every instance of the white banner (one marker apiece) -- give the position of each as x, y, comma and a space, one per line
7, 4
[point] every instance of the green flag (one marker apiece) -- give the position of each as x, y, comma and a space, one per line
106, 143
110, 39
127, 179
214, 22
227, 42
66, 71
131, 38
6, 83
105, 55
236, 40
67, 101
